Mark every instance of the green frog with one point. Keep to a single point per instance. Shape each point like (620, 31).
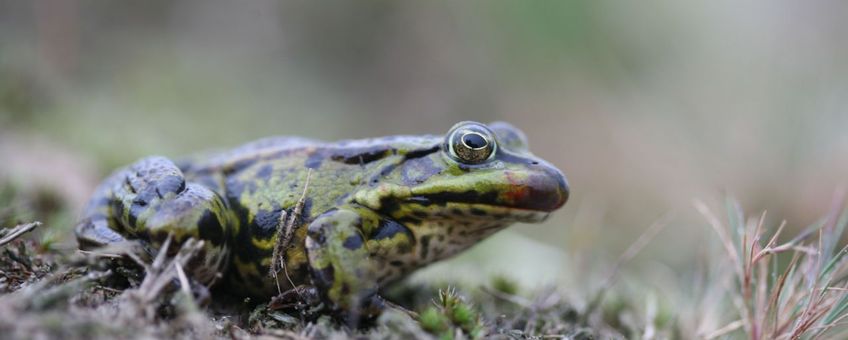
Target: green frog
(374, 209)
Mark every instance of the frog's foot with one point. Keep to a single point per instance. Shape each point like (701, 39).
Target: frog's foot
(299, 298)
(150, 200)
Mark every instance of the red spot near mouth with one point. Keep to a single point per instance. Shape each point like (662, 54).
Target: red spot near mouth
(517, 192)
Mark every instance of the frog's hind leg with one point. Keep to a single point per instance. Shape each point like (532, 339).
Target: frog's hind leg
(347, 250)
(150, 200)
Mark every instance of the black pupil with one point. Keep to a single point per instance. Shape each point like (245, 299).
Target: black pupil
(474, 141)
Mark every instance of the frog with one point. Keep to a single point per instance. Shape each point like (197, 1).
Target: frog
(363, 213)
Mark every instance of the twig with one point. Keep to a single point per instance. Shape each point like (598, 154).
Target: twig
(183, 279)
(18, 231)
(99, 254)
(285, 231)
(282, 225)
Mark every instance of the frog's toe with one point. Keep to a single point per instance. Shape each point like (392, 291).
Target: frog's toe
(155, 176)
(94, 232)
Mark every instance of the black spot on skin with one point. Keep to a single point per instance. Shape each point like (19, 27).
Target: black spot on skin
(478, 212)
(245, 251)
(266, 222)
(388, 205)
(425, 245)
(362, 156)
(396, 263)
(264, 172)
(209, 228)
(422, 152)
(353, 242)
(306, 213)
(420, 214)
(388, 229)
(441, 237)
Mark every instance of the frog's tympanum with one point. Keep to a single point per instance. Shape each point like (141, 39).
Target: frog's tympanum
(374, 211)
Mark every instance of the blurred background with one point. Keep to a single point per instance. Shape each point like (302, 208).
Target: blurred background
(644, 105)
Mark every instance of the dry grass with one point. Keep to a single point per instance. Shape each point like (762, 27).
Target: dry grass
(801, 295)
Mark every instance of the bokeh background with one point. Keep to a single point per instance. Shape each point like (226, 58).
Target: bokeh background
(644, 105)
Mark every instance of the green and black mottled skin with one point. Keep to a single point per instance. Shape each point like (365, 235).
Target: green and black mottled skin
(375, 209)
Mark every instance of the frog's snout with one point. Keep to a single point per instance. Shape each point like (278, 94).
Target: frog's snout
(545, 189)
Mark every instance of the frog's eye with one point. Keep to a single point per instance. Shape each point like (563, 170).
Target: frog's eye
(471, 143)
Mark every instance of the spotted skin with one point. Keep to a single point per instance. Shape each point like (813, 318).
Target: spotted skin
(375, 210)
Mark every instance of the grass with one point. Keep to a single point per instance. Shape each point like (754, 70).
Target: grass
(804, 298)
(754, 286)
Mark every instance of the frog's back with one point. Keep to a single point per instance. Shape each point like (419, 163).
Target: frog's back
(219, 161)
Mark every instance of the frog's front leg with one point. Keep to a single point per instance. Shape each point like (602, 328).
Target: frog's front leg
(344, 248)
(151, 199)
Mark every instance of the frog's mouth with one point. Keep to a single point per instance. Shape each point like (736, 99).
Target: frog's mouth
(434, 209)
